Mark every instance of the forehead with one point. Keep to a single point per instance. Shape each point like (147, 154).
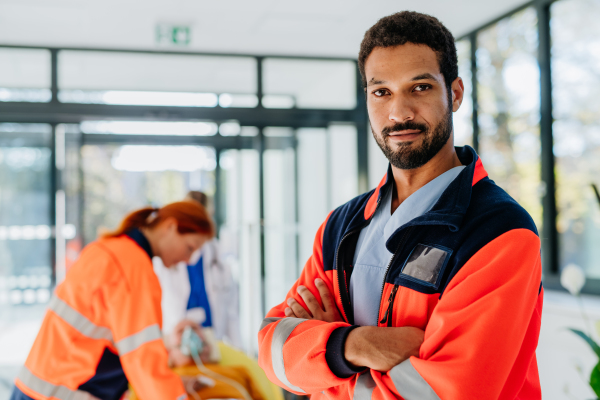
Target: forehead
(401, 61)
(194, 238)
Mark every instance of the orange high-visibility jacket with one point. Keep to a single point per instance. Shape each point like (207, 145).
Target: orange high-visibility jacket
(467, 272)
(108, 305)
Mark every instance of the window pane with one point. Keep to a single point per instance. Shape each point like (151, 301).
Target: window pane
(576, 130)
(176, 128)
(24, 68)
(343, 164)
(239, 235)
(25, 75)
(25, 240)
(280, 224)
(508, 77)
(463, 118)
(155, 79)
(313, 187)
(309, 84)
(327, 177)
(119, 179)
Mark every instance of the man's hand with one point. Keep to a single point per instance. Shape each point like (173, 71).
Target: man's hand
(378, 348)
(382, 348)
(329, 314)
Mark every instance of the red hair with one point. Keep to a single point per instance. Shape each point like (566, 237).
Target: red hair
(191, 217)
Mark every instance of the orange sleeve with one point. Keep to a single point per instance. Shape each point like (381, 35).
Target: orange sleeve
(481, 338)
(289, 347)
(135, 320)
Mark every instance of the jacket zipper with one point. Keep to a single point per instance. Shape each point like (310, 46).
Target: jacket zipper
(342, 277)
(387, 270)
(342, 273)
(388, 313)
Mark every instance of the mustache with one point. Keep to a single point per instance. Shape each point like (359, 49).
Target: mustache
(402, 126)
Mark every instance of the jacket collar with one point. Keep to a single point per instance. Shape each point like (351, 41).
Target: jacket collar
(138, 237)
(453, 203)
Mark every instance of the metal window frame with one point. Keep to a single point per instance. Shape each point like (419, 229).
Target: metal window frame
(549, 234)
(55, 112)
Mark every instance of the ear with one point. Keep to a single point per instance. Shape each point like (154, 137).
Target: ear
(170, 224)
(458, 91)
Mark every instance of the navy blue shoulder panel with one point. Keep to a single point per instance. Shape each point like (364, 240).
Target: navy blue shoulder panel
(341, 220)
(491, 213)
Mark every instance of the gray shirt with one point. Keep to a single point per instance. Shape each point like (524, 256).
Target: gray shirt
(371, 257)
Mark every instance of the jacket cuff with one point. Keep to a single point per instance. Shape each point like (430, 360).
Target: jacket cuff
(334, 353)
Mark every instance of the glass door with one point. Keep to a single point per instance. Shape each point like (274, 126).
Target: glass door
(26, 240)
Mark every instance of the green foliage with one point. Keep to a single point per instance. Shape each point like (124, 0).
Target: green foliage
(595, 379)
(595, 376)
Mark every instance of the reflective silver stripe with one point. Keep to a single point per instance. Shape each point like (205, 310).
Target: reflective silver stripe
(364, 387)
(410, 384)
(130, 343)
(268, 321)
(280, 336)
(47, 389)
(78, 321)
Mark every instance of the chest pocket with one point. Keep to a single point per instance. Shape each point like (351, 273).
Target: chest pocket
(424, 267)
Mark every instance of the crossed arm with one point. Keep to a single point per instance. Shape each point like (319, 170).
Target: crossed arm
(378, 348)
(491, 306)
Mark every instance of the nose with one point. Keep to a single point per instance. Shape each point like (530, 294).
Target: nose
(401, 109)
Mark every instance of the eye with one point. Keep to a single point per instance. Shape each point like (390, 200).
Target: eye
(422, 88)
(379, 92)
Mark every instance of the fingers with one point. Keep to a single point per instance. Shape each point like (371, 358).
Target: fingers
(297, 309)
(313, 309)
(325, 294)
(311, 302)
(289, 313)
(332, 313)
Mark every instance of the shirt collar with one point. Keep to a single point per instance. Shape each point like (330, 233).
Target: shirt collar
(452, 205)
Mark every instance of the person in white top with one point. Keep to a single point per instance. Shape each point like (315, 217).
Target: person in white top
(203, 294)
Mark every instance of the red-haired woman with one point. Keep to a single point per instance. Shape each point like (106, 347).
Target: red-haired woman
(102, 329)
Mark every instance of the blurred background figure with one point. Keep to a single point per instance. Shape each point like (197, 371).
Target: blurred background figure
(201, 291)
(203, 295)
(102, 330)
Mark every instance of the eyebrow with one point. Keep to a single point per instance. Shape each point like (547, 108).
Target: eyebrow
(374, 81)
(421, 77)
(424, 76)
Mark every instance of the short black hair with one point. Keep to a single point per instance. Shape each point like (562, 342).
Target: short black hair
(412, 27)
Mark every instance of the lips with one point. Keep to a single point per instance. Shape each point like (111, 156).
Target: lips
(407, 132)
(407, 135)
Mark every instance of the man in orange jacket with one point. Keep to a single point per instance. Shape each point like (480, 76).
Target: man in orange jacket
(435, 274)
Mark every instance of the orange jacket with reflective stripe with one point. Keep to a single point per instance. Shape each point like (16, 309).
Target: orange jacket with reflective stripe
(467, 272)
(110, 299)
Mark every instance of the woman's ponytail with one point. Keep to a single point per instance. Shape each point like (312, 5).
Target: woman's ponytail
(141, 218)
(191, 217)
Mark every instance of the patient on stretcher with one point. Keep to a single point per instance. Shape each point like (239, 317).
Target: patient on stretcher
(204, 378)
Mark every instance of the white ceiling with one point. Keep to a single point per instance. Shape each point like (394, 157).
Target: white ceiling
(282, 27)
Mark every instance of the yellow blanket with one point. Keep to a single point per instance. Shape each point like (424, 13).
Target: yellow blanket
(235, 365)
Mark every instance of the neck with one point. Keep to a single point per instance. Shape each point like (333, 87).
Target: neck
(408, 181)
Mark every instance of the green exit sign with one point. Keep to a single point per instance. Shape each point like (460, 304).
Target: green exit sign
(174, 35)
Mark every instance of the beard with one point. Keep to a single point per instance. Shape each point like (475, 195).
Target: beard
(402, 155)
